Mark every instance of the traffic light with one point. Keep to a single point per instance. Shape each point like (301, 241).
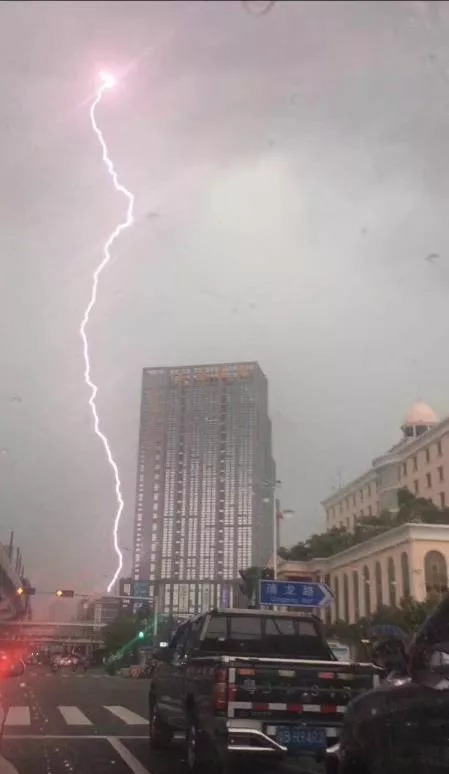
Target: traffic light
(25, 591)
(141, 635)
(65, 593)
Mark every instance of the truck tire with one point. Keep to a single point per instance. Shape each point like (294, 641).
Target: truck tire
(160, 734)
(196, 759)
(355, 767)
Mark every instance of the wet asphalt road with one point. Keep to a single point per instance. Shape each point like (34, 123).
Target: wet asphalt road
(86, 724)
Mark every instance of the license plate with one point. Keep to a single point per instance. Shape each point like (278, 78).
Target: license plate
(301, 737)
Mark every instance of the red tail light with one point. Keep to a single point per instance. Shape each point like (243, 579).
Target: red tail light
(221, 690)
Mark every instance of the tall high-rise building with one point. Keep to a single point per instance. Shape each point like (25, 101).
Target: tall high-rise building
(205, 479)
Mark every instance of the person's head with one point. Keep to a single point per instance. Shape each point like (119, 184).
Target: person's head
(390, 654)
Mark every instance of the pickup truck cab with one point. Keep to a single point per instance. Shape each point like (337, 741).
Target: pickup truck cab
(251, 682)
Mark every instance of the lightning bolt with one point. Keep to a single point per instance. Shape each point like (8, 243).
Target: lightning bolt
(107, 83)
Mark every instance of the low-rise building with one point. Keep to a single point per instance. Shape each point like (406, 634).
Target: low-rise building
(12, 602)
(409, 560)
(99, 610)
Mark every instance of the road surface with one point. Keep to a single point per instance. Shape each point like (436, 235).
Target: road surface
(89, 723)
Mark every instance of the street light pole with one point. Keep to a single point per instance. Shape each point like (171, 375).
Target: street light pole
(273, 486)
(275, 536)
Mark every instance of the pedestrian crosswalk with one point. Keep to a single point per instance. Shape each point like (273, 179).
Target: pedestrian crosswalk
(20, 716)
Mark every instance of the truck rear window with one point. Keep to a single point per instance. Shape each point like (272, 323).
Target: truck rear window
(267, 636)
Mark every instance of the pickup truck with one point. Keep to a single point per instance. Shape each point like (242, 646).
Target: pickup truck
(256, 683)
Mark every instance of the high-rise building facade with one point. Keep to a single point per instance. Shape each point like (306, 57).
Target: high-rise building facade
(204, 505)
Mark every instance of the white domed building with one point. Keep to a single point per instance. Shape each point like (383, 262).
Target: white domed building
(419, 420)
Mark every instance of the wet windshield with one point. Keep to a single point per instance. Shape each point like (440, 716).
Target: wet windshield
(224, 323)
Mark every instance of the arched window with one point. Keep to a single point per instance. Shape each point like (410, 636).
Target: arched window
(356, 592)
(327, 611)
(435, 571)
(391, 582)
(366, 591)
(405, 572)
(378, 574)
(337, 599)
(345, 598)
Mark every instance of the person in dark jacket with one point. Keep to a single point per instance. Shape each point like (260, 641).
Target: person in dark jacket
(390, 654)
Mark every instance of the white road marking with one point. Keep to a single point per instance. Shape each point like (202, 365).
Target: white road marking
(128, 717)
(130, 760)
(73, 716)
(6, 767)
(73, 736)
(18, 716)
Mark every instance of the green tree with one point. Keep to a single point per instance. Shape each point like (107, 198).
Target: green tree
(410, 509)
(119, 633)
(250, 585)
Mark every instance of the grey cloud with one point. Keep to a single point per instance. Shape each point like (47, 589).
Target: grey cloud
(291, 175)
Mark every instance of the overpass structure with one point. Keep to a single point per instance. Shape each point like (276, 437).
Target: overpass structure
(11, 574)
(47, 632)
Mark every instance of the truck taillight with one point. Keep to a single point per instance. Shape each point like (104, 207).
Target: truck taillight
(221, 690)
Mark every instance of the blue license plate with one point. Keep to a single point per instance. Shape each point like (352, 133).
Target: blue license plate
(301, 737)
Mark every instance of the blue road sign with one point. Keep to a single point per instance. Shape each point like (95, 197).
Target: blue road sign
(294, 594)
(141, 588)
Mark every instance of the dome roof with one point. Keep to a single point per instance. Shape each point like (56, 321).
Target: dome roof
(420, 414)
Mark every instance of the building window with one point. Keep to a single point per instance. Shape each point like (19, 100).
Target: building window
(337, 599)
(345, 598)
(378, 574)
(367, 590)
(405, 569)
(439, 449)
(427, 453)
(428, 480)
(441, 473)
(370, 510)
(391, 582)
(404, 468)
(416, 486)
(442, 499)
(435, 571)
(355, 589)
(353, 499)
(415, 463)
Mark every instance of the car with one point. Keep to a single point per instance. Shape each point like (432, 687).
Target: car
(402, 726)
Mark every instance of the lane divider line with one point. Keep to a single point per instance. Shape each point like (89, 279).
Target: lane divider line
(131, 761)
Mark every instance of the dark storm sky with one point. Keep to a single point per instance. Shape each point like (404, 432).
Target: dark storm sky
(291, 177)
